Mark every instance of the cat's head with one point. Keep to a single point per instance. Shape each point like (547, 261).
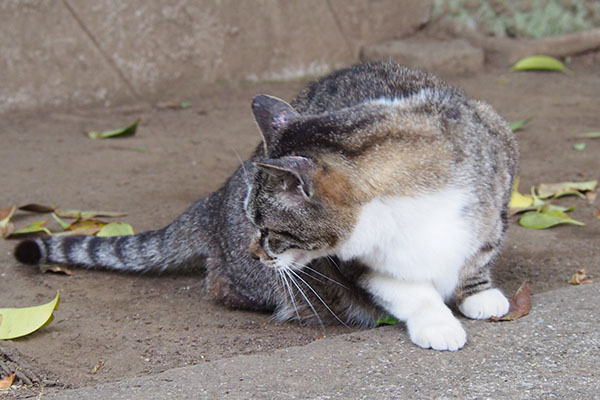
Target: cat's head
(297, 215)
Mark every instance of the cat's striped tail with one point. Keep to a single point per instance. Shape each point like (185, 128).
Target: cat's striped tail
(178, 245)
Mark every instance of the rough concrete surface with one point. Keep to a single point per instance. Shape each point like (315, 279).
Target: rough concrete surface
(553, 353)
(68, 52)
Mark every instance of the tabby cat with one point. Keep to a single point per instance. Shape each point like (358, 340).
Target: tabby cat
(378, 190)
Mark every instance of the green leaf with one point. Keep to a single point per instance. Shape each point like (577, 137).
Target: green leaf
(517, 125)
(559, 189)
(185, 104)
(32, 228)
(78, 214)
(546, 218)
(540, 63)
(64, 225)
(589, 135)
(387, 320)
(17, 322)
(579, 146)
(122, 132)
(116, 229)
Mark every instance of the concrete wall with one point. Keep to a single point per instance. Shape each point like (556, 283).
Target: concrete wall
(68, 52)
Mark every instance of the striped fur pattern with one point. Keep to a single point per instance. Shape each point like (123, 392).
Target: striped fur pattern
(397, 170)
(295, 229)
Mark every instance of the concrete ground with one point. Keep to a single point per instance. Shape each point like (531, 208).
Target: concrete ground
(553, 353)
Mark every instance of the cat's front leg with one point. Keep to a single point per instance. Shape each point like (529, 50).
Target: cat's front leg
(429, 321)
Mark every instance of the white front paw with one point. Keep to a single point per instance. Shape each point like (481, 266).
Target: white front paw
(485, 304)
(439, 331)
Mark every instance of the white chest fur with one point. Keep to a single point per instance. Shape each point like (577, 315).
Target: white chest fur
(414, 239)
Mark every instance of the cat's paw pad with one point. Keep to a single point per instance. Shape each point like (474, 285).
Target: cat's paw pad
(437, 332)
(485, 304)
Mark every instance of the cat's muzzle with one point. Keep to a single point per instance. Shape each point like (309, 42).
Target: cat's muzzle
(257, 252)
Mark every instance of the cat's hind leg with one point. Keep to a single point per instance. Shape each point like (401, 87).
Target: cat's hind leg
(429, 321)
(475, 296)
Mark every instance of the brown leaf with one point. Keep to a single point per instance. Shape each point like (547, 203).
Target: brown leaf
(579, 278)
(59, 269)
(7, 381)
(591, 196)
(7, 212)
(6, 227)
(520, 304)
(37, 208)
(86, 226)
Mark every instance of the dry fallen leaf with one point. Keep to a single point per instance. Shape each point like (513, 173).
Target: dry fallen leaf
(58, 269)
(86, 226)
(6, 227)
(37, 208)
(579, 278)
(591, 196)
(7, 381)
(520, 304)
(559, 189)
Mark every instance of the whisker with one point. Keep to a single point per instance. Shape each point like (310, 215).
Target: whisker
(336, 264)
(246, 176)
(310, 276)
(292, 297)
(326, 277)
(319, 297)
(304, 295)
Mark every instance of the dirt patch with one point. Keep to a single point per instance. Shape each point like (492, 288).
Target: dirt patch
(111, 326)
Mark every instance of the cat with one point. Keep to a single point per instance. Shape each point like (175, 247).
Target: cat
(379, 190)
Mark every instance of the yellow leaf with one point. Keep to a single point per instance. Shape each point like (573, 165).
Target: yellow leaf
(86, 226)
(540, 63)
(33, 228)
(116, 229)
(519, 200)
(579, 278)
(17, 322)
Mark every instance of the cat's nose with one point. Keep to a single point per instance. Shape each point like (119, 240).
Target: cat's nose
(256, 250)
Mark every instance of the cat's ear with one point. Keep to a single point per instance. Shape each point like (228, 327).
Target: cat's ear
(271, 115)
(294, 172)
